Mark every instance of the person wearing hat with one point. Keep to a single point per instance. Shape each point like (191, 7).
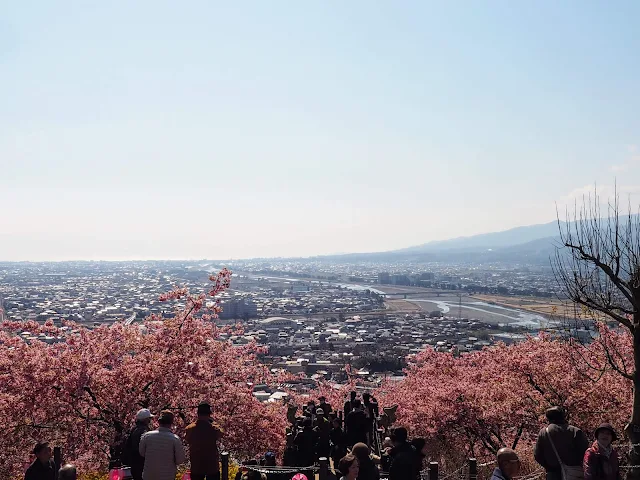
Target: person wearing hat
(162, 450)
(560, 444)
(202, 437)
(131, 454)
(323, 427)
(601, 461)
(42, 467)
(326, 408)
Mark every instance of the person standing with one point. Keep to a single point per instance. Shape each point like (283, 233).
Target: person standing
(357, 424)
(326, 408)
(162, 450)
(306, 441)
(131, 455)
(420, 447)
(323, 428)
(368, 470)
(559, 444)
(508, 465)
(402, 455)
(601, 460)
(202, 438)
(348, 405)
(42, 467)
(338, 442)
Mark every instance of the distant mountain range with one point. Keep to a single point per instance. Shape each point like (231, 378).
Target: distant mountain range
(506, 238)
(533, 244)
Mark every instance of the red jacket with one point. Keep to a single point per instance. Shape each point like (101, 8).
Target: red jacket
(597, 466)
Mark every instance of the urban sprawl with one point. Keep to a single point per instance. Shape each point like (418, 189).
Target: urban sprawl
(318, 319)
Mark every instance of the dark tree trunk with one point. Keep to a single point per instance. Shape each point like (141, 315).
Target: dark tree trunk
(633, 429)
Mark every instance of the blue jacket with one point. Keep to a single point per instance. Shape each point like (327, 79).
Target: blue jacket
(498, 475)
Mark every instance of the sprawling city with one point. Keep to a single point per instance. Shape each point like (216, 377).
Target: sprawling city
(317, 317)
(330, 240)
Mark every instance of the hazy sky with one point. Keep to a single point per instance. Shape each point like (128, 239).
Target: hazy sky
(149, 129)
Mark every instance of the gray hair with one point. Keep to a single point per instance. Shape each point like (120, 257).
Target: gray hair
(68, 472)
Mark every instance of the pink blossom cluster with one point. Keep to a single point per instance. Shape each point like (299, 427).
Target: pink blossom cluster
(82, 393)
(473, 405)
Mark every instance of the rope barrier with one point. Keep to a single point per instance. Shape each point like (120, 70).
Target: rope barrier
(459, 470)
(266, 469)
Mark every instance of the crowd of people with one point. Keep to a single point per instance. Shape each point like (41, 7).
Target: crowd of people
(347, 438)
(152, 454)
(352, 440)
(564, 451)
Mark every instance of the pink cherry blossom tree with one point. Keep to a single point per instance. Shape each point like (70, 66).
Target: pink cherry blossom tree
(82, 393)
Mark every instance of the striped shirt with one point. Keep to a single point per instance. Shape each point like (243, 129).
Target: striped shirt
(163, 452)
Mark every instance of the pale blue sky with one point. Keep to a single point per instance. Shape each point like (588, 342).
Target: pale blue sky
(147, 129)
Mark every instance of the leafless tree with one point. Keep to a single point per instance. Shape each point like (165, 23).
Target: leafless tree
(598, 266)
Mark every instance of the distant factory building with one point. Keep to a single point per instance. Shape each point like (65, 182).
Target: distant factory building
(238, 309)
(384, 278)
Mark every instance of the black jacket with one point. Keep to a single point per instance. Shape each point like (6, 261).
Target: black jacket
(131, 456)
(403, 462)
(306, 442)
(368, 469)
(40, 471)
(357, 427)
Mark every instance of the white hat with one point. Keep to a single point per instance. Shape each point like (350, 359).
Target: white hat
(144, 414)
(319, 411)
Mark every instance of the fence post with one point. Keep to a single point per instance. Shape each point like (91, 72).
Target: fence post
(324, 468)
(225, 466)
(473, 469)
(433, 471)
(57, 458)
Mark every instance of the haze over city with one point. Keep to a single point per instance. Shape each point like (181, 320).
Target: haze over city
(149, 130)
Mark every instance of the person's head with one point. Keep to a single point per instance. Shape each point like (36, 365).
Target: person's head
(42, 451)
(361, 451)
(322, 399)
(320, 412)
(387, 442)
(399, 435)
(68, 472)
(166, 418)
(556, 415)
(307, 423)
(605, 434)
(270, 459)
(349, 466)
(420, 444)
(356, 404)
(353, 396)
(204, 410)
(336, 423)
(508, 462)
(144, 416)
(366, 397)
